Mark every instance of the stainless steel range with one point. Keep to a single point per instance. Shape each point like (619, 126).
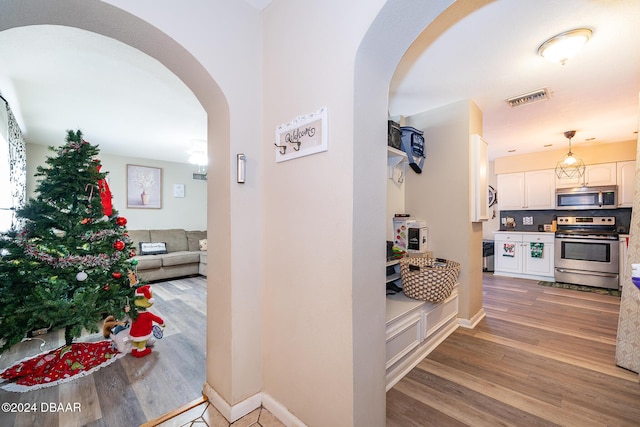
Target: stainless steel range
(587, 251)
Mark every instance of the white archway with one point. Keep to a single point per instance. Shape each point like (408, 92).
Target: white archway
(102, 18)
(392, 32)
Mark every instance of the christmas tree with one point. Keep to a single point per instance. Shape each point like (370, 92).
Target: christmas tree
(70, 264)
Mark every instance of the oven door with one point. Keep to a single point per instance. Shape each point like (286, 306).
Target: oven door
(589, 262)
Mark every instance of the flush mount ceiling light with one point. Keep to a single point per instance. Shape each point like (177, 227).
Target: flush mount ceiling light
(570, 166)
(563, 46)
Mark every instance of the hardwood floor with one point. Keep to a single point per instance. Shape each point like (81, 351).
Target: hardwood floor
(541, 357)
(130, 391)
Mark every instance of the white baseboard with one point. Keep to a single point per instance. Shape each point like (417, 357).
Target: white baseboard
(471, 323)
(280, 412)
(235, 412)
(239, 410)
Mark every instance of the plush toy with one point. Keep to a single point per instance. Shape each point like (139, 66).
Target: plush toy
(109, 324)
(142, 327)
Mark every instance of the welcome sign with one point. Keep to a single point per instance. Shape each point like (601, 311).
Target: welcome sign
(301, 137)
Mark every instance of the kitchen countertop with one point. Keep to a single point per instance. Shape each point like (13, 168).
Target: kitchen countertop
(524, 232)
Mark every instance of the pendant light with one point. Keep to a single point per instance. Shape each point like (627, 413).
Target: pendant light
(570, 166)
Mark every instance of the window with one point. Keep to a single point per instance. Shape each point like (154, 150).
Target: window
(5, 186)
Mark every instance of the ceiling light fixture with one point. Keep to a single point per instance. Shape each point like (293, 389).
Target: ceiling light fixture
(563, 46)
(570, 166)
(198, 154)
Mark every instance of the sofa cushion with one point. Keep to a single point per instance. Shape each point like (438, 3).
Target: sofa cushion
(138, 236)
(153, 248)
(176, 239)
(180, 257)
(148, 262)
(193, 237)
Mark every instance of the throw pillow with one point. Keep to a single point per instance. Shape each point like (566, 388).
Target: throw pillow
(153, 248)
(202, 243)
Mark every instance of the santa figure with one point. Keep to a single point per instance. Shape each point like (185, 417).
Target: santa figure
(142, 327)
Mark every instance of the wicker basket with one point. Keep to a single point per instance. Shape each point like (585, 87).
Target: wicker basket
(428, 279)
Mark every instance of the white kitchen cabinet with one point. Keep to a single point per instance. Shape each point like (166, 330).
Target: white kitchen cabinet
(479, 203)
(533, 190)
(626, 179)
(594, 175)
(538, 263)
(511, 191)
(602, 174)
(518, 255)
(508, 253)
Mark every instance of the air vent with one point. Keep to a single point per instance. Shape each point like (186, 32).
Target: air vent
(529, 98)
(200, 176)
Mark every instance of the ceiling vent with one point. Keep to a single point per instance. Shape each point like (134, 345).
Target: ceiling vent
(529, 98)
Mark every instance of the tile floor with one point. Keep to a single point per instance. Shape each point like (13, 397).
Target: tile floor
(206, 415)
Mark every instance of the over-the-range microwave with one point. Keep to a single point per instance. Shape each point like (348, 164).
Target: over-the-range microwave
(604, 197)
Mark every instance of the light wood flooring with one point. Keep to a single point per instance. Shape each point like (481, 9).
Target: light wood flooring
(541, 357)
(130, 391)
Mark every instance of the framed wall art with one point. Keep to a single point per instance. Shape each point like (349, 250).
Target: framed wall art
(144, 187)
(301, 137)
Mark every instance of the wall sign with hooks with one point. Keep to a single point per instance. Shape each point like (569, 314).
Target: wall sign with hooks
(301, 137)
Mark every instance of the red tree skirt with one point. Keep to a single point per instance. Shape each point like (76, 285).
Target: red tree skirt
(57, 366)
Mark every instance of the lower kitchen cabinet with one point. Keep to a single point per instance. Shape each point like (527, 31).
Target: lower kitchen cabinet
(414, 329)
(526, 255)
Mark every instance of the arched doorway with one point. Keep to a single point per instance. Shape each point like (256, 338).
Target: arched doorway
(391, 33)
(137, 33)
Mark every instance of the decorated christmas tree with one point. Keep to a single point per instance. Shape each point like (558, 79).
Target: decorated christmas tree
(69, 265)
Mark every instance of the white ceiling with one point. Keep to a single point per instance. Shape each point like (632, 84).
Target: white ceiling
(491, 55)
(59, 78)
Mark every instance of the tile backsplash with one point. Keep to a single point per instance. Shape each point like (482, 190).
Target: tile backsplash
(623, 218)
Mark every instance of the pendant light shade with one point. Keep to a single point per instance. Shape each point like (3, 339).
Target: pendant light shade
(570, 166)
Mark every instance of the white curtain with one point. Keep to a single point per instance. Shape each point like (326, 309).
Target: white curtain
(17, 168)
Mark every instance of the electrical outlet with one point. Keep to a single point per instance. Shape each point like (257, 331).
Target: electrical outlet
(503, 220)
(527, 220)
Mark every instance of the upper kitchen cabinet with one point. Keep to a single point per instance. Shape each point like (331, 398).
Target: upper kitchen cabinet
(479, 203)
(533, 190)
(594, 175)
(626, 179)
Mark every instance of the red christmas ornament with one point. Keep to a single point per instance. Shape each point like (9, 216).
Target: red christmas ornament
(116, 275)
(85, 221)
(106, 287)
(132, 253)
(121, 221)
(119, 245)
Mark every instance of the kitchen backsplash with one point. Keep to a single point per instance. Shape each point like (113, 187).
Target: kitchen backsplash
(623, 217)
